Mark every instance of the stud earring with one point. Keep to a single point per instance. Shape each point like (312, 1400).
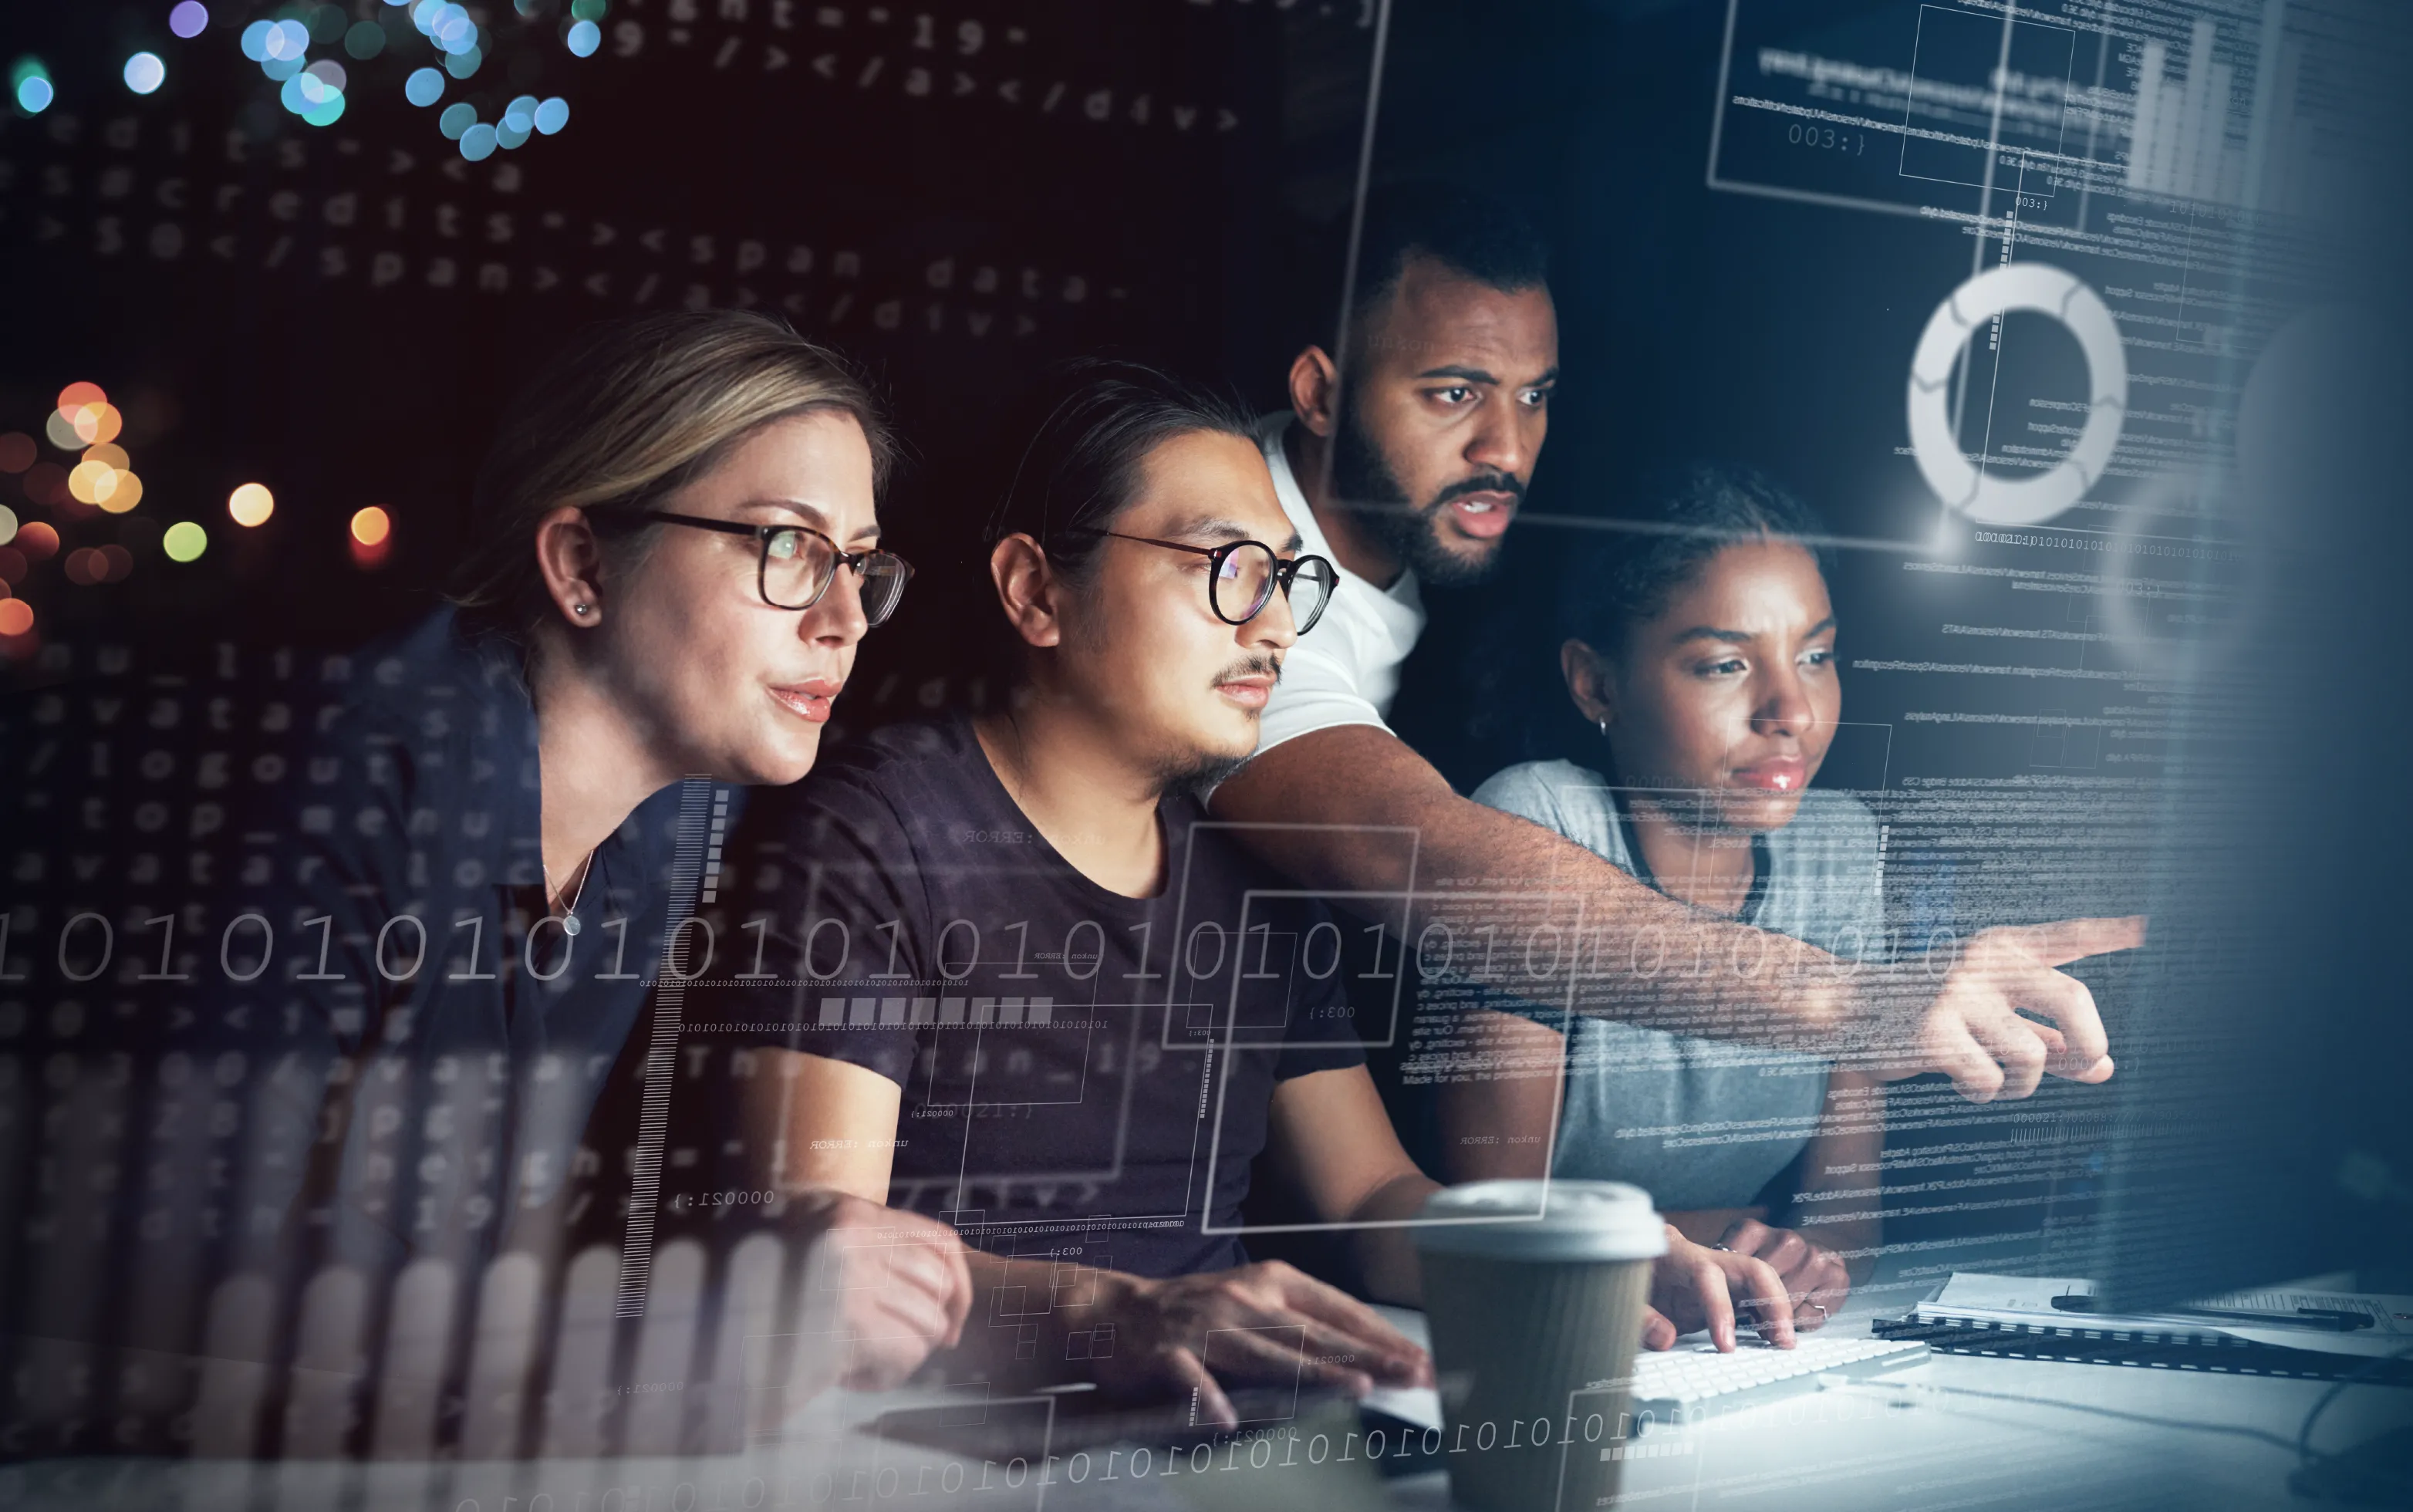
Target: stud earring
(580, 609)
(1604, 723)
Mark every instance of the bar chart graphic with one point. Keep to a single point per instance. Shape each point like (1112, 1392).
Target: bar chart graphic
(2190, 139)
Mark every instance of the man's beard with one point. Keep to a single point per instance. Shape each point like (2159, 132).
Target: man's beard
(1368, 488)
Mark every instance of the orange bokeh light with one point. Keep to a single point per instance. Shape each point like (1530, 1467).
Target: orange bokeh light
(15, 617)
(372, 526)
(251, 504)
(96, 423)
(39, 541)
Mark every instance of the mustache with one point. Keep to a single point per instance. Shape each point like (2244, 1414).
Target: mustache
(1249, 667)
(1482, 483)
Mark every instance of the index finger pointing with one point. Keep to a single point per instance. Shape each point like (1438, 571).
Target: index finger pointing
(2073, 940)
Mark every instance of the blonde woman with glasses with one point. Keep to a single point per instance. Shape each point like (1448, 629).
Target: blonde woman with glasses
(677, 553)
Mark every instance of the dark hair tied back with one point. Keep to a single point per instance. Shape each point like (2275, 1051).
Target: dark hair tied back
(1624, 575)
(1091, 425)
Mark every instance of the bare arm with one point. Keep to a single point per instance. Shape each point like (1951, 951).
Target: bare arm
(1837, 1205)
(1329, 790)
(832, 1127)
(1331, 1129)
(1502, 1121)
(898, 1281)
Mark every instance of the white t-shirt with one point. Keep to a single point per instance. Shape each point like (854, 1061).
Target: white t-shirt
(1346, 669)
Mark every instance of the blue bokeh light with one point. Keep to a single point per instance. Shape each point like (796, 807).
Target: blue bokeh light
(457, 118)
(553, 115)
(190, 19)
(424, 87)
(35, 94)
(478, 142)
(462, 65)
(255, 41)
(585, 37)
(144, 72)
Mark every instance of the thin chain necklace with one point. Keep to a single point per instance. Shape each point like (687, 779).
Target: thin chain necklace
(570, 917)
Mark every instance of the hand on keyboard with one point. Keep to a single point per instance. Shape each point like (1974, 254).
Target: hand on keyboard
(1815, 1278)
(1693, 1286)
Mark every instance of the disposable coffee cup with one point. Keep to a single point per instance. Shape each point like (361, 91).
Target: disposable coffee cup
(1535, 1293)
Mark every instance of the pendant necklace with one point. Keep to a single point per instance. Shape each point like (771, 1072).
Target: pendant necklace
(570, 917)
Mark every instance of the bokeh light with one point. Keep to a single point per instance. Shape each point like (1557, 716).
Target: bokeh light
(190, 19)
(13, 565)
(458, 117)
(76, 395)
(184, 541)
(29, 86)
(251, 504)
(88, 566)
(38, 540)
(585, 37)
(16, 453)
(372, 526)
(92, 482)
(144, 72)
(365, 41)
(7, 531)
(45, 484)
(553, 115)
(58, 428)
(424, 87)
(16, 618)
(95, 423)
(126, 492)
(478, 142)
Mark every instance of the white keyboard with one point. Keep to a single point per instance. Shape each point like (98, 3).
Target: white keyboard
(1673, 1385)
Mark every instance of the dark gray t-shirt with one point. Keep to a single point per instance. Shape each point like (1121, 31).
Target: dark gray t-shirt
(1084, 1075)
(1699, 1122)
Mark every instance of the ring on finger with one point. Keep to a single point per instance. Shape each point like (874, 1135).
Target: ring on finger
(1823, 1314)
(1723, 1248)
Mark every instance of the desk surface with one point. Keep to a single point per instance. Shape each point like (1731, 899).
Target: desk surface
(1959, 1432)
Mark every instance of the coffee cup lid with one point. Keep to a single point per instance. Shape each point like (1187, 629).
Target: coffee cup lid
(1536, 1220)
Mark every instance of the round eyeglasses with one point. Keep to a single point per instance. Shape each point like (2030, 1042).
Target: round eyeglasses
(1242, 575)
(799, 563)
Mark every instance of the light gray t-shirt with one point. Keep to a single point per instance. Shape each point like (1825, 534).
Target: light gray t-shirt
(1697, 1122)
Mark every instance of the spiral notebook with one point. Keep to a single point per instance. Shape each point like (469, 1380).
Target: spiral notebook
(2283, 1331)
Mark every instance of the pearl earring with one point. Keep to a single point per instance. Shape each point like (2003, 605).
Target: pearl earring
(1603, 726)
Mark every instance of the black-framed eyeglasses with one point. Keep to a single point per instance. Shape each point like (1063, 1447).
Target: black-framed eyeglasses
(1242, 575)
(799, 563)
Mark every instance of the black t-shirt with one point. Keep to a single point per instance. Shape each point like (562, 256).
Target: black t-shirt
(1085, 1075)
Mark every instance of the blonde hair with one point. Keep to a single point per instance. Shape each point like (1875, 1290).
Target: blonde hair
(632, 412)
